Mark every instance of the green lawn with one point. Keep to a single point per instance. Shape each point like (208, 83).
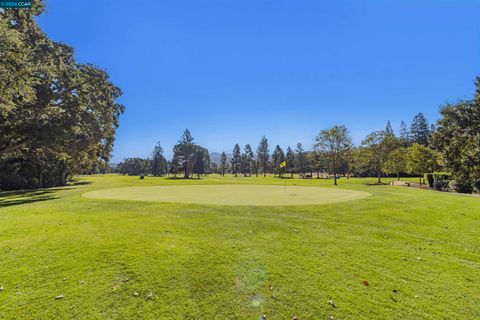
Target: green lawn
(419, 251)
(231, 194)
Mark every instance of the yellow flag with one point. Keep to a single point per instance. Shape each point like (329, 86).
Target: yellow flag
(283, 164)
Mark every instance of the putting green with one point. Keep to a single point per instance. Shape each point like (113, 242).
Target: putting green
(229, 194)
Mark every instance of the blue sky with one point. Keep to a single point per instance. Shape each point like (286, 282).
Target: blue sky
(232, 71)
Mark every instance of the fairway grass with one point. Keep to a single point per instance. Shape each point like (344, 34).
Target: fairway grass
(233, 194)
(417, 250)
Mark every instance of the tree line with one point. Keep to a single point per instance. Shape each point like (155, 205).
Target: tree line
(57, 117)
(448, 151)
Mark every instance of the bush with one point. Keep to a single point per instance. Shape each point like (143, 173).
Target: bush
(477, 185)
(438, 180)
(441, 185)
(462, 184)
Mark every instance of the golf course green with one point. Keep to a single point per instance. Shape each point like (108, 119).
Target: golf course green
(231, 194)
(400, 253)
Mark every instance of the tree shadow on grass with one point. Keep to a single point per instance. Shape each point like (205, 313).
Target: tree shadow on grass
(180, 178)
(79, 183)
(12, 198)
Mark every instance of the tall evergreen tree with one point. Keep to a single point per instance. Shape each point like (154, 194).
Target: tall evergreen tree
(248, 159)
(263, 155)
(199, 162)
(184, 152)
(158, 161)
(301, 161)
(223, 163)
(277, 157)
(290, 159)
(236, 158)
(389, 129)
(420, 130)
(404, 133)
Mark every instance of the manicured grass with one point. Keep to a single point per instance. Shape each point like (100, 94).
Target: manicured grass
(419, 251)
(234, 194)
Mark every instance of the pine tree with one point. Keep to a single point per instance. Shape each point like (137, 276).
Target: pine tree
(263, 155)
(290, 159)
(420, 130)
(277, 157)
(186, 137)
(158, 161)
(184, 151)
(389, 129)
(248, 159)
(236, 159)
(404, 133)
(223, 163)
(301, 161)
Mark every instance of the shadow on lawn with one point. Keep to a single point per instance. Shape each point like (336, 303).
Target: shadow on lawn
(79, 183)
(12, 198)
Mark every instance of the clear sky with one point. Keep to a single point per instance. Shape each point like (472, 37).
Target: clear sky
(234, 70)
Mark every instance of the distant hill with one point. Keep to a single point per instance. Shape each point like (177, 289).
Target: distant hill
(216, 156)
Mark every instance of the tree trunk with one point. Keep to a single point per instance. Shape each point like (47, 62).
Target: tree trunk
(186, 175)
(379, 177)
(63, 178)
(398, 175)
(334, 178)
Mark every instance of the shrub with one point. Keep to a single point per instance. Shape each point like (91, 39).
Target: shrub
(462, 184)
(441, 185)
(477, 185)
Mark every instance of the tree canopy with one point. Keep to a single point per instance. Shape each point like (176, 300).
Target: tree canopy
(57, 117)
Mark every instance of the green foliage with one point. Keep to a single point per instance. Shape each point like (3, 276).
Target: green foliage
(374, 155)
(301, 161)
(223, 163)
(457, 138)
(236, 159)
(290, 159)
(404, 134)
(420, 130)
(441, 184)
(396, 161)
(317, 161)
(247, 162)
(420, 159)
(477, 185)
(334, 143)
(56, 114)
(187, 155)
(135, 166)
(277, 157)
(263, 154)
(159, 163)
(462, 184)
